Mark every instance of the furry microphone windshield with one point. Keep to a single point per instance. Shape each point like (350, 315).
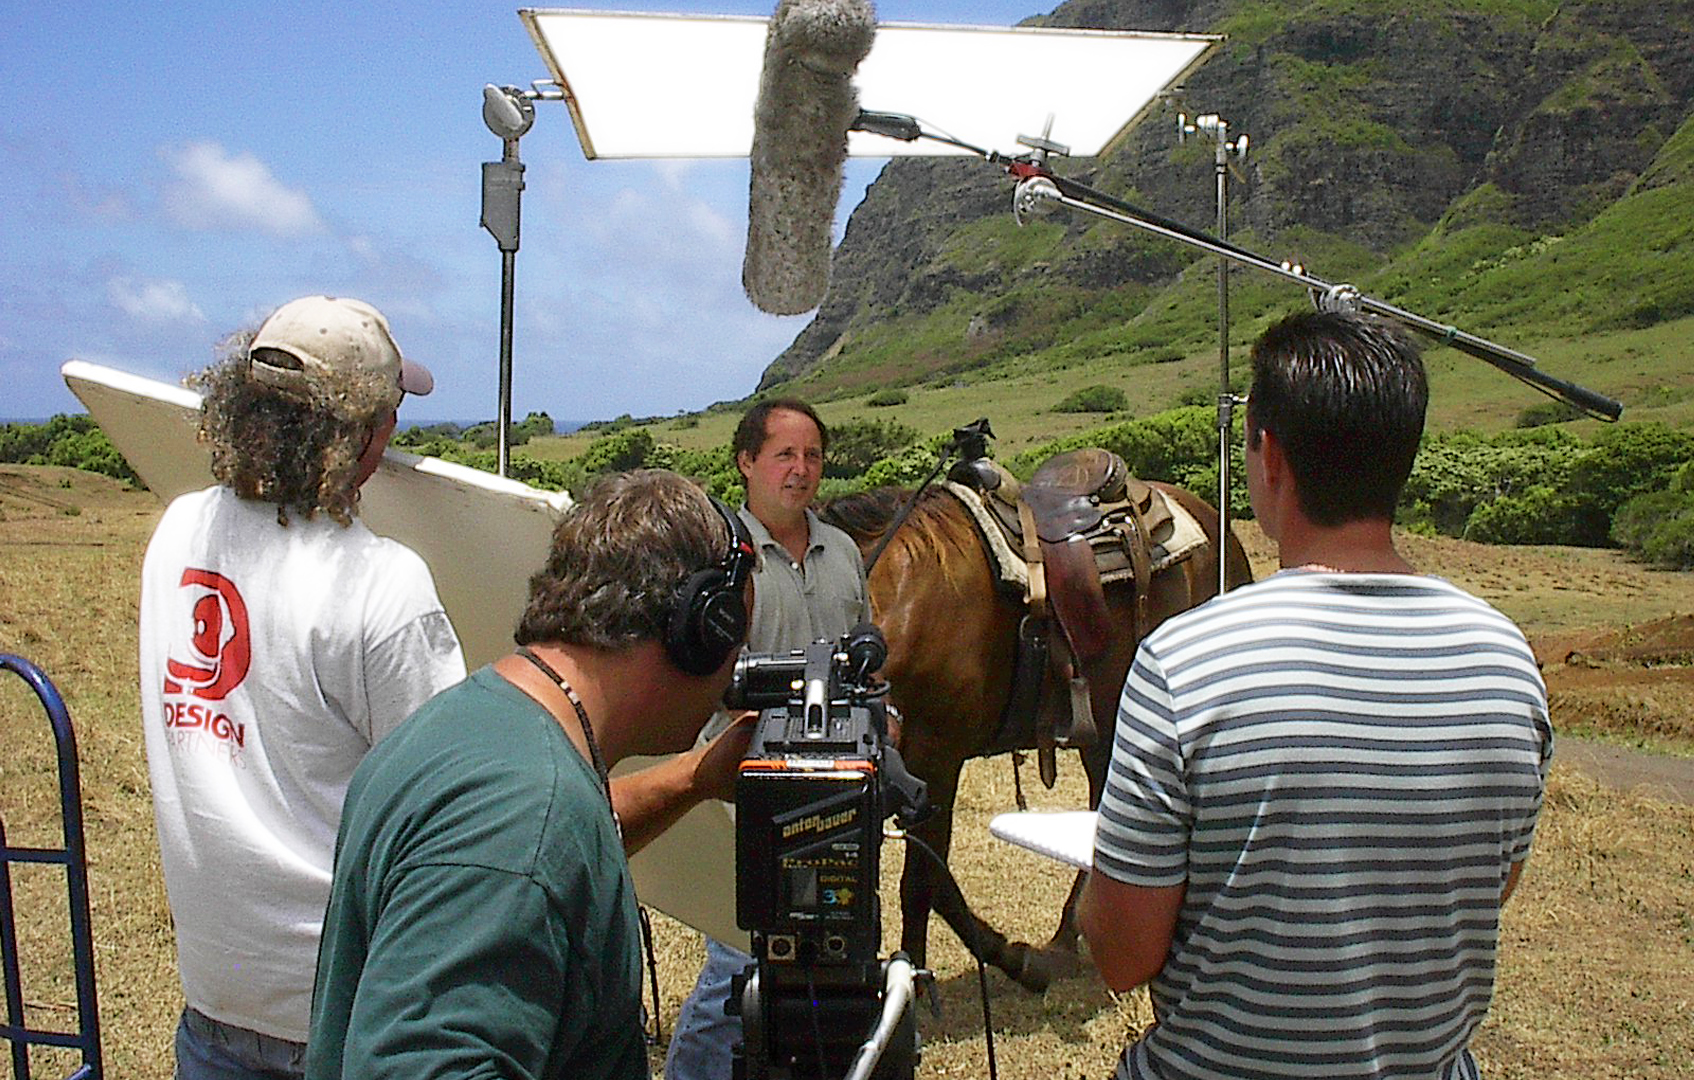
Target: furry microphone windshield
(806, 104)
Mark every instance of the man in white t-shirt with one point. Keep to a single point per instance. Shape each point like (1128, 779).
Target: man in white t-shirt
(280, 640)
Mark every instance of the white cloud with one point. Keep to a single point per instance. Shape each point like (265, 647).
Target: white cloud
(362, 248)
(673, 172)
(154, 301)
(217, 190)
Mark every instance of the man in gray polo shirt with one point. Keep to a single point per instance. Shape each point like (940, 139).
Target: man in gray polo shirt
(810, 585)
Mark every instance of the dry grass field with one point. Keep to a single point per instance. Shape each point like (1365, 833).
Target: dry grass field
(1597, 963)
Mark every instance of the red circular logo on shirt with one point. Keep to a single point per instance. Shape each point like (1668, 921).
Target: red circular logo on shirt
(219, 645)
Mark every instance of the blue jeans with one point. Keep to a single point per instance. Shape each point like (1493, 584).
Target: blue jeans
(208, 1049)
(700, 1046)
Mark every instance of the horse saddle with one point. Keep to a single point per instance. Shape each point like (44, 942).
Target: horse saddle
(1080, 524)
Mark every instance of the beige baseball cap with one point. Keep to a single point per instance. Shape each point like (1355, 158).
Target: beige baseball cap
(329, 335)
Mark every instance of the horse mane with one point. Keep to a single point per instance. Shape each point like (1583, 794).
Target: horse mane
(865, 515)
(937, 523)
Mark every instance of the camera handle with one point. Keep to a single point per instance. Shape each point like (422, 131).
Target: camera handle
(898, 977)
(905, 797)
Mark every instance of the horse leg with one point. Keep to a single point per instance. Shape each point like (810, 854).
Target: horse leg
(923, 886)
(1095, 759)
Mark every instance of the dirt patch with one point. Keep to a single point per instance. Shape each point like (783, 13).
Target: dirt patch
(1634, 686)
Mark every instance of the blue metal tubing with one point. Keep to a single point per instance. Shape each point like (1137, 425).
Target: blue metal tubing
(74, 858)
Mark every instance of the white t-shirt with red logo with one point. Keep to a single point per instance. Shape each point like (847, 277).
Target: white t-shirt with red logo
(272, 659)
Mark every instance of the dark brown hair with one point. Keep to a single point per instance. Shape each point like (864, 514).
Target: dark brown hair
(618, 559)
(1345, 396)
(751, 433)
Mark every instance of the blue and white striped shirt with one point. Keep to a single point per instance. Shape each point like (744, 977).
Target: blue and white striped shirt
(1342, 768)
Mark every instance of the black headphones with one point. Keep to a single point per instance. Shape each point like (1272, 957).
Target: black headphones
(709, 618)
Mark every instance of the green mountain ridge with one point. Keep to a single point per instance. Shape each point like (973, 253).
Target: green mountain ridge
(1520, 169)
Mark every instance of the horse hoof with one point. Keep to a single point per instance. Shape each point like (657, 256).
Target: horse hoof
(1037, 969)
(1043, 967)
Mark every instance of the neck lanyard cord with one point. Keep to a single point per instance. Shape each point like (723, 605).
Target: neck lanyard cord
(587, 729)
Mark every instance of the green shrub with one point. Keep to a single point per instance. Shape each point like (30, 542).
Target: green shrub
(20, 442)
(93, 451)
(856, 445)
(1625, 461)
(1094, 399)
(486, 436)
(420, 435)
(1658, 527)
(908, 467)
(1175, 445)
(627, 448)
(73, 441)
(616, 424)
(713, 468)
(1456, 473)
(547, 475)
(884, 398)
(1540, 515)
(1548, 412)
(536, 423)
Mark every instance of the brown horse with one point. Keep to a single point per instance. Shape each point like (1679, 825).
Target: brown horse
(951, 642)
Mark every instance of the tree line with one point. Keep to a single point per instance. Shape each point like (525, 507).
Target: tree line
(1630, 486)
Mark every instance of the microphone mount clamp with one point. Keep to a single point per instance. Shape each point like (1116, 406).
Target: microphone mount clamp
(1042, 146)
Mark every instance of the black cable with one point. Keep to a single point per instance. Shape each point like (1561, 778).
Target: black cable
(658, 1034)
(973, 944)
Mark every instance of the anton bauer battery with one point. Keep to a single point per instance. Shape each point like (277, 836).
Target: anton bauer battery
(818, 780)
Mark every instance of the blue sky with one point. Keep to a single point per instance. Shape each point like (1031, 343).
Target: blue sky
(173, 171)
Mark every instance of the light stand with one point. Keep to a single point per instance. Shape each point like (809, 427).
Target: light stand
(1217, 127)
(508, 112)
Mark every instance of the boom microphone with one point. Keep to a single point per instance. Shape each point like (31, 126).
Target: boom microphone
(806, 104)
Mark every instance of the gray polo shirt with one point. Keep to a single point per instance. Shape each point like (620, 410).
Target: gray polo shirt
(797, 603)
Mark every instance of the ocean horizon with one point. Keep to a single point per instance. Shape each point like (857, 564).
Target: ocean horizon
(561, 427)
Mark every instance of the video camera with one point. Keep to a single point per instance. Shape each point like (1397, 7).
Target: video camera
(819, 778)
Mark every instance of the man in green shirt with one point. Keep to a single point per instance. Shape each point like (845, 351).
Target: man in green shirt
(482, 920)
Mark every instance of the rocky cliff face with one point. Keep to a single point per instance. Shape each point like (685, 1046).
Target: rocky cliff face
(1369, 120)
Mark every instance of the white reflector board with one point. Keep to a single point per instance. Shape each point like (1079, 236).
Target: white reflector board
(482, 536)
(643, 85)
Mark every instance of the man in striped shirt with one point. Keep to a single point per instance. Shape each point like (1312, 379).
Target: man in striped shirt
(1324, 785)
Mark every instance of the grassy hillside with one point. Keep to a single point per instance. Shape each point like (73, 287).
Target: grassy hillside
(1654, 367)
(1519, 168)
